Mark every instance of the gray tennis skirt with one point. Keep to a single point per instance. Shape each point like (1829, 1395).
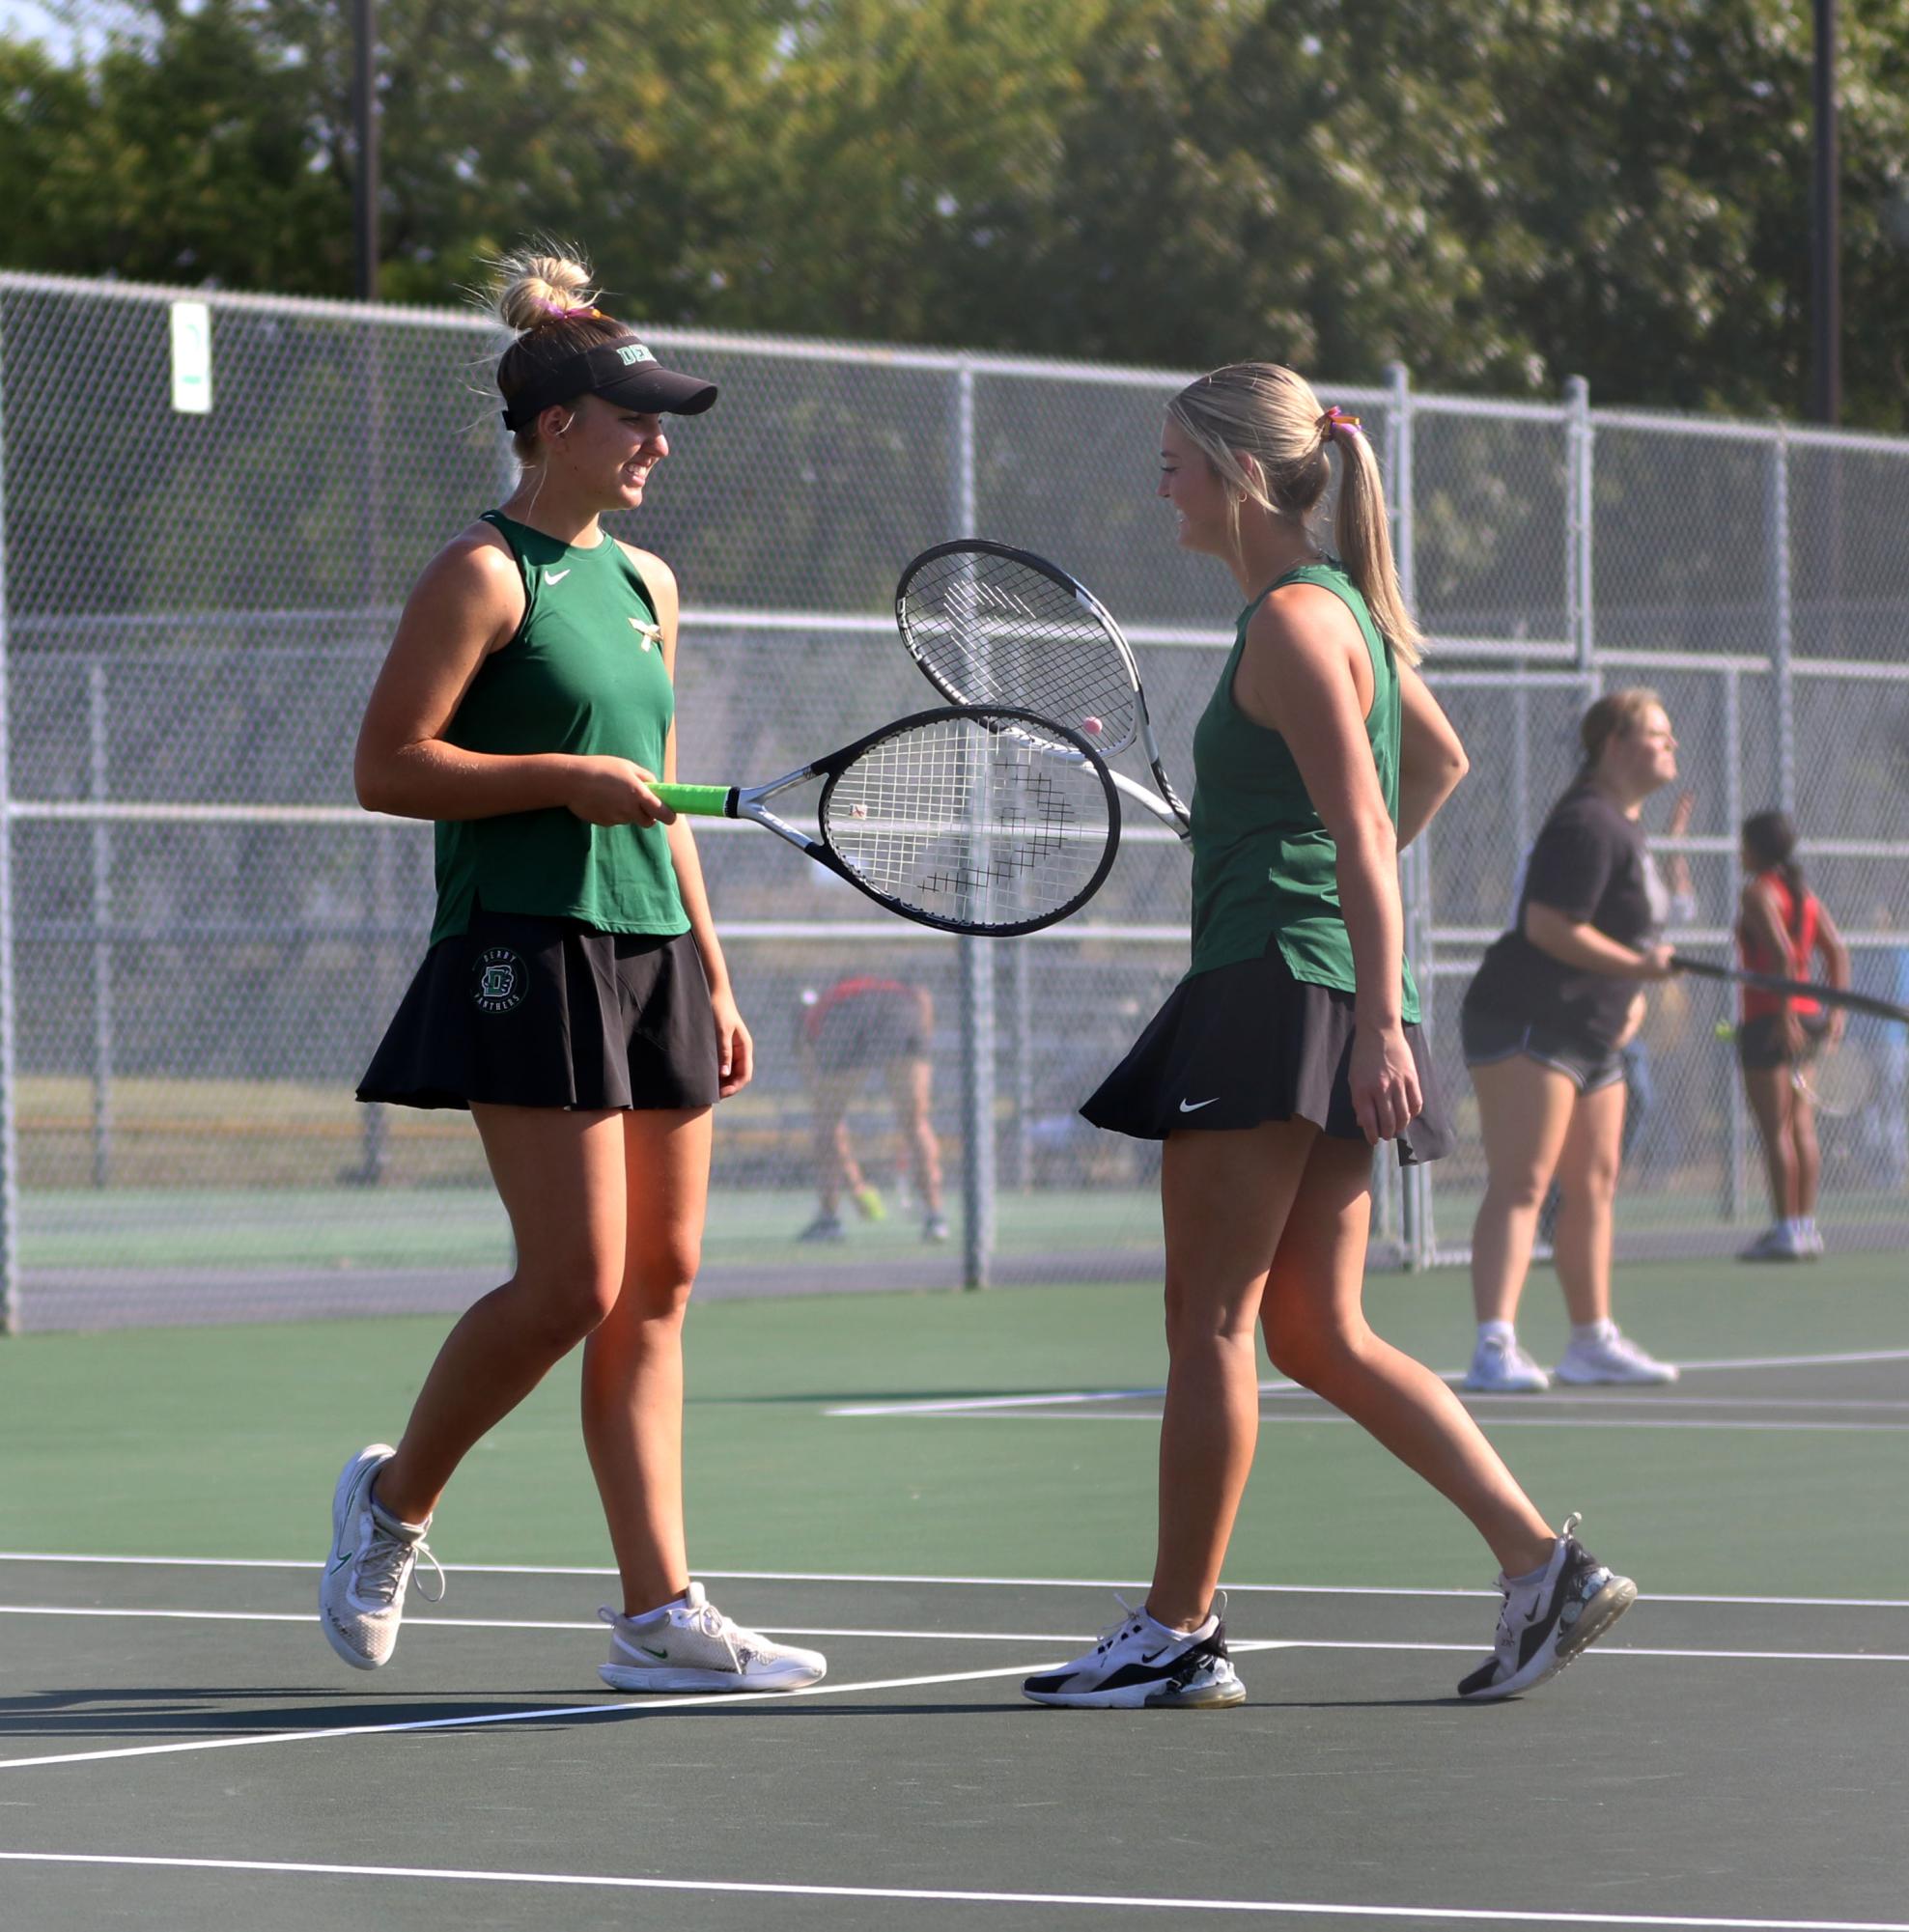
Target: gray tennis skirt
(526, 1010)
(1248, 1042)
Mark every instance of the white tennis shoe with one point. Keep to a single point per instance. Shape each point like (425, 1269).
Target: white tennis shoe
(1549, 1621)
(1612, 1358)
(361, 1593)
(1140, 1664)
(1784, 1242)
(691, 1645)
(1501, 1367)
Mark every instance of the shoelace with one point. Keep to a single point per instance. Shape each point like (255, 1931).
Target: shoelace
(712, 1622)
(385, 1562)
(1129, 1619)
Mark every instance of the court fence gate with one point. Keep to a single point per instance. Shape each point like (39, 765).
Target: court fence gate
(211, 507)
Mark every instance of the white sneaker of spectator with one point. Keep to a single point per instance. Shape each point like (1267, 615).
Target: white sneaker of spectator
(1605, 1354)
(1501, 1367)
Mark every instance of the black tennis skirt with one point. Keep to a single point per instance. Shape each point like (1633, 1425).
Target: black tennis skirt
(1248, 1042)
(526, 1010)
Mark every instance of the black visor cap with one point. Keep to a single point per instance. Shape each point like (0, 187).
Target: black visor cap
(624, 372)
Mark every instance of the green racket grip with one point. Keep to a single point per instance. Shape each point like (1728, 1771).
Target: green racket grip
(699, 802)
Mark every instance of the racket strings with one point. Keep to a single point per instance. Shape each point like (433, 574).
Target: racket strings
(970, 823)
(1838, 1080)
(989, 631)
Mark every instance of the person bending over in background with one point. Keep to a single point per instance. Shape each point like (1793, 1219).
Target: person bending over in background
(859, 1023)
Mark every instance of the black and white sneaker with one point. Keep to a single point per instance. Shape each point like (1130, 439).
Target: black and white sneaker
(1548, 1622)
(1140, 1664)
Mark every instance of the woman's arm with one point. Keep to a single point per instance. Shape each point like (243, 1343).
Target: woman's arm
(1578, 943)
(1836, 955)
(1683, 890)
(736, 1047)
(1431, 760)
(1296, 678)
(467, 603)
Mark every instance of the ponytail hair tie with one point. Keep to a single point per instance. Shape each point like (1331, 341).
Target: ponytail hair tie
(551, 313)
(1334, 420)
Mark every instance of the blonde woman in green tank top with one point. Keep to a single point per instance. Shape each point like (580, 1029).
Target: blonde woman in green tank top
(1291, 1051)
(575, 996)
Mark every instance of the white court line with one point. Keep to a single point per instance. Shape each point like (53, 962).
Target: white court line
(963, 1583)
(938, 1895)
(624, 1708)
(981, 1404)
(1237, 1644)
(1643, 1418)
(593, 1627)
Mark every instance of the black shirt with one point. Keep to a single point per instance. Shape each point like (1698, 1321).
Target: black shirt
(1590, 865)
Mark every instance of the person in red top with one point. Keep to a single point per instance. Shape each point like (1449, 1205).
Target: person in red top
(861, 1023)
(1782, 925)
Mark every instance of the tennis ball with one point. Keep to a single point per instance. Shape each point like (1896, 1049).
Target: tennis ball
(1725, 1030)
(1091, 726)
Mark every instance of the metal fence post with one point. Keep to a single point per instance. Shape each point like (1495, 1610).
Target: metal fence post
(1578, 524)
(977, 961)
(1782, 622)
(1415, 1185)
(102, 920)
(9, 1223)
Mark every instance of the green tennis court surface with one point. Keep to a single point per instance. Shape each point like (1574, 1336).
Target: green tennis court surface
(937, 1490)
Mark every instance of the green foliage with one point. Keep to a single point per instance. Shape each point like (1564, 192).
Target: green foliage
(1497, 193)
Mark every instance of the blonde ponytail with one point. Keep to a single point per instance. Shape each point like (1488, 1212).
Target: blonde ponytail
(1366, 543)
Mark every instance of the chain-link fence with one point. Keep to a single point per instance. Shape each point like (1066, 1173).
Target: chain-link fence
(201, 936)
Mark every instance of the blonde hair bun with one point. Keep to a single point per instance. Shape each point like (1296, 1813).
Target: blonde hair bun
(540, 283)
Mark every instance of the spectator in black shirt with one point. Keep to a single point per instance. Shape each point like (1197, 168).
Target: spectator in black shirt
(1545, 1021)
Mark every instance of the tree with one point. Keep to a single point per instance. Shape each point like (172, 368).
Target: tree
(1500, 192)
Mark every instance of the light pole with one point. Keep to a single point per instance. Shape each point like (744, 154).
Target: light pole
(364, 110)
(1825, 243)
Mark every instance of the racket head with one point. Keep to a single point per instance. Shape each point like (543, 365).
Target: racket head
(992, 624)
(1838, 1078)
(985, 820)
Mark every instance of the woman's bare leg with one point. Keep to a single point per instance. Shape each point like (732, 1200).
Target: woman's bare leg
(1225, 1198)
(633, 1363)
(1808, 1155)
(909, 1084)
(560, 1176)
(1588, 1169)
(1316, 1333)
(835, 1164)
(1772, 1095)
(1524, 1110)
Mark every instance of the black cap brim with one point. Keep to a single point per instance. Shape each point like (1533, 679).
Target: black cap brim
(658, 391)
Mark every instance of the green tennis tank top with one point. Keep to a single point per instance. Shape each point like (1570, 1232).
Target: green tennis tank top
(584, 675)
(1265, 867)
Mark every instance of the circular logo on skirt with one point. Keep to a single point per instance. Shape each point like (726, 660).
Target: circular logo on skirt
(501, 981)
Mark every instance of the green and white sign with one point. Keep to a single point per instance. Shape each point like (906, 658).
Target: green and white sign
(192, 357)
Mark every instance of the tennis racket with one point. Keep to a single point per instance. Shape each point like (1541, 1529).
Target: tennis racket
(989, 624)
(981, 819)
(1766, 982)
(1838, 1080)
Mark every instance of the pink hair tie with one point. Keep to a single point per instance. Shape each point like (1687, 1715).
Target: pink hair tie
(1334, 420)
